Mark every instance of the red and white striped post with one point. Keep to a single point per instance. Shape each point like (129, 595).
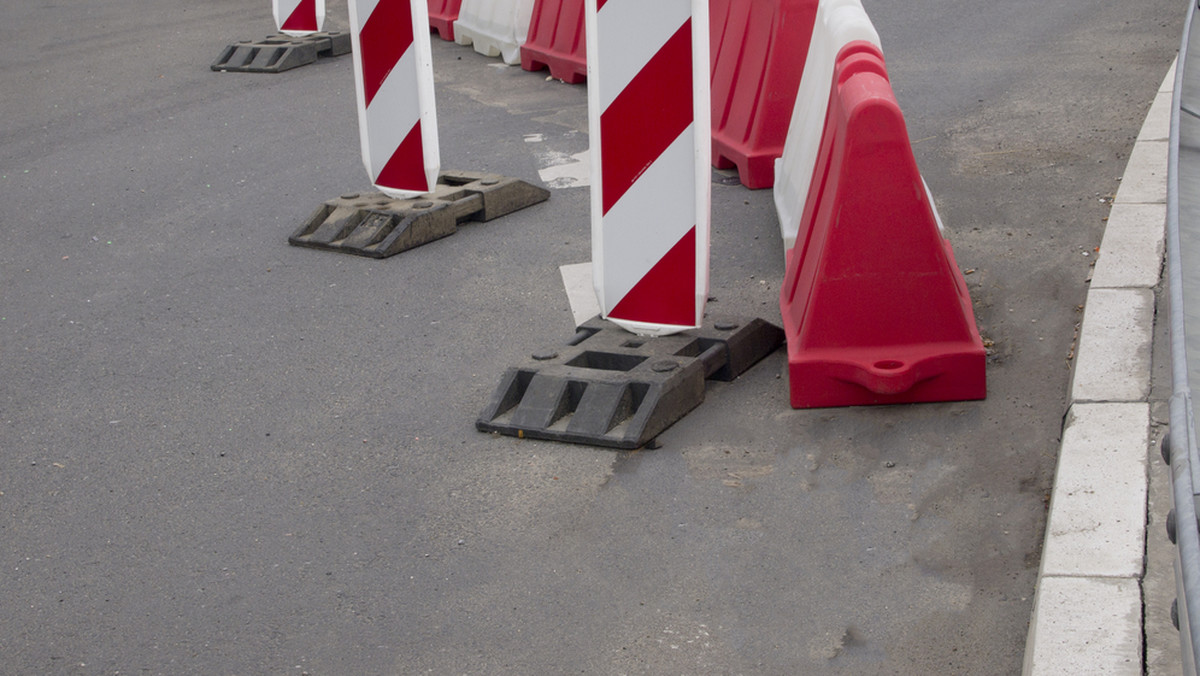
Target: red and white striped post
(393, 73)
(299, 17)
(649, 118)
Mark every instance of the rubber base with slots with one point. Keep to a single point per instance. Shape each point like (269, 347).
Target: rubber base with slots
(281, 52)
(379, 226)
(610, 388)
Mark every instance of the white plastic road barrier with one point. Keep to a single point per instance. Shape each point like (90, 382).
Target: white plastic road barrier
(839, 22)
(649, 120)
(299, 17)
(494, 27)
(393, 75)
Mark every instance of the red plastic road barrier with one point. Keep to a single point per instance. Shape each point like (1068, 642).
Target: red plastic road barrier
(442, 15)
(557, 40)
(298, 17)
(758, 53)
(874, 306)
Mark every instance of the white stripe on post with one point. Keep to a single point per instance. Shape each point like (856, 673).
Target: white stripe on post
(298, 17)
(649, 119)
(393, 75)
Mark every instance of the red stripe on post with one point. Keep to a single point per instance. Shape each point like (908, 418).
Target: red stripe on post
(647, 116)
(385, 37)
(666, 295)
(303, 18)
(405, 169)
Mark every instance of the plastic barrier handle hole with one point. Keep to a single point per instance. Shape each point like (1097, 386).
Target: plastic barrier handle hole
(889, 365)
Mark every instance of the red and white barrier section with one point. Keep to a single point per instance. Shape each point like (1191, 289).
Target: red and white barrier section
(298, 17)
(649, 119)
(393, 70)
(758, 52)
(838, 23)
(442, 15)
(874, 306)
(556, 40)
(494, 27)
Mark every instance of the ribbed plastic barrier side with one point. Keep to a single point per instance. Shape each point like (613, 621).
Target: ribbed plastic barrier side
(758, 52)
(838, 23)
(494, 27)
(442, 15)
(557, 40)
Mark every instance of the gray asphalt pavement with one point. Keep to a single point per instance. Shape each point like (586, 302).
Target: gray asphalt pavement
(222, 454)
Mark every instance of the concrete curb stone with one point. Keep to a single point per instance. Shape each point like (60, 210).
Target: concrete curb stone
(1088, 610)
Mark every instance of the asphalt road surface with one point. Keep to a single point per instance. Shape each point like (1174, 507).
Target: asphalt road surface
(220, 454)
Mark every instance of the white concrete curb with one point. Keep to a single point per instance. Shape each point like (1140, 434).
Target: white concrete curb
(1087, 611)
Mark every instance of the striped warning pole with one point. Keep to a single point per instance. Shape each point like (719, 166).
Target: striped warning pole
(649, 117)
(299, 17)
(393, 73)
